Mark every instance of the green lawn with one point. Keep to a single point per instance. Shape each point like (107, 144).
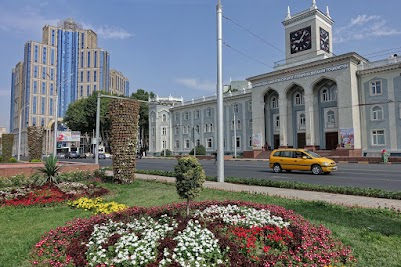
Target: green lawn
(375, 235)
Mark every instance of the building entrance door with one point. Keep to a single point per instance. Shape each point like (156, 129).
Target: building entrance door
(301, 140)
(276, 141)
(331, 140)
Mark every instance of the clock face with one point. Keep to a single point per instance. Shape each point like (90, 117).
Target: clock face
(324, 40)
(301, 40)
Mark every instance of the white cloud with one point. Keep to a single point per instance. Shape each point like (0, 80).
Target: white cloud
(109, 32)
(364, 26)
(196, 84)
(30, 20)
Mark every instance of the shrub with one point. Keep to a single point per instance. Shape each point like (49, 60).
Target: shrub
(190, 177)
(50, 170)
(167, 153)
(12, 160)
(200, 150)
(36, 160)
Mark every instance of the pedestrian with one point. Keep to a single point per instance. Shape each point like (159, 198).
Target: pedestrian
(215, 157)
(385, 156)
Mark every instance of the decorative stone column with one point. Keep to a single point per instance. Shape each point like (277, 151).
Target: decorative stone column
(124, 126)
(35, 142)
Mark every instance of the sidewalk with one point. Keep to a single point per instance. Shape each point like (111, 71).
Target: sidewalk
(346, 200)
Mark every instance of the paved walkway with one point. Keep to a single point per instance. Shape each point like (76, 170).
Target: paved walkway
(366, 202)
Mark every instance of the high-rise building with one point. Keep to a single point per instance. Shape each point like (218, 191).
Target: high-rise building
(67, 65)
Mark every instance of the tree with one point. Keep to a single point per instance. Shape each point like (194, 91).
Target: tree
(200, 150)
(81, 116)
(143, 95)
(190, 177)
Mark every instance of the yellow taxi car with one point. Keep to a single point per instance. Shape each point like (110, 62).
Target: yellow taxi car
(294, 159)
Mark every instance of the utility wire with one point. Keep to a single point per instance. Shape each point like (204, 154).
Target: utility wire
(260, 38)
(239, 52)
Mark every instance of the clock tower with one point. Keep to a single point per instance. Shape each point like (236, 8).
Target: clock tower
(308, 35)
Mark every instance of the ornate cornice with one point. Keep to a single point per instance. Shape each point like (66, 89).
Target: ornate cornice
(305, 15)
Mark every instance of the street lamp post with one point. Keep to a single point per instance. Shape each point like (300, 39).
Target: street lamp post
(235, 135)
(55, 125)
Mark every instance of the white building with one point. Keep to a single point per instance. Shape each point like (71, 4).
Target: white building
(312, 99)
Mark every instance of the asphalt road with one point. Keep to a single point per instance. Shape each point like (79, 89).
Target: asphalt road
(379, 176)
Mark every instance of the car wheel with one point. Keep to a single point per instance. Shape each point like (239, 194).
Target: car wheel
(316, 169)
(277, 168)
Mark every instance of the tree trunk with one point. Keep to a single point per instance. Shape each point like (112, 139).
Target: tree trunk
(187, 207)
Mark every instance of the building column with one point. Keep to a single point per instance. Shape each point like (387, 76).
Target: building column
(310, 119)
(283, 112)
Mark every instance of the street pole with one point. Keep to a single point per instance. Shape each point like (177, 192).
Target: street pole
(235, 135)
(97, 129)
(220, 124)
(193, 129)
(19, 136)
(55, 125)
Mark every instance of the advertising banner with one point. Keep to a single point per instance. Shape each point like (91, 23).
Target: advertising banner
(347, 138)
(257, 141)
(68, 136)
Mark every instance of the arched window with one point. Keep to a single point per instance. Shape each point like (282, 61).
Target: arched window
(298, 99)
(325, 95)
(302, 120)
(377, 113)
(331, 117)
(206, 128)
(164, 131)
(239, 125)
(274, 102)
(277, 122)
(197, 128)
(164, 117)
(211, 127)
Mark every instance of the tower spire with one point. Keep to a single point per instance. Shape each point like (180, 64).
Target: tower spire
(327, 12)
(288, 13)
(314, 6)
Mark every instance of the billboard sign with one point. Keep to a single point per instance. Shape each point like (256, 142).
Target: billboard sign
(68, 136)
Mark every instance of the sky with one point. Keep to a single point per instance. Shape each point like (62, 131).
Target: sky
(169, 47)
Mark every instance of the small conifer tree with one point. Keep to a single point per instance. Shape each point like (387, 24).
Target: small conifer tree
(190, 177)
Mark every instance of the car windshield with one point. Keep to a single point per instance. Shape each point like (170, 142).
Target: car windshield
(313, 154)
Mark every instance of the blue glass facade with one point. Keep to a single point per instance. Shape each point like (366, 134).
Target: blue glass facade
(67, 69)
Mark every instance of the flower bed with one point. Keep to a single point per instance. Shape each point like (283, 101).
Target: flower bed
(97, 205)
(50, 193)
(216, 234)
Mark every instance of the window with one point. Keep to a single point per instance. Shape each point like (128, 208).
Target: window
(236, 108)
(376, 88)
(36, 54)
(206, 128)
(378, 137)
(329, 94)
(95, 59)
(88, 76)
(153, 131)
(198, 142)
(186, 116)
(277, 122)
(209, 143)
(52, 57)
(35, 71)
(232, 124)
(177, 117)
(239, 125)
(52, 74)
(81, 91)
(89, 59)
(88, 90)
(94, 76)
(186, 129)
(164, 118)
(43, 88)
(325, 95)
(177, 143)
(298, 99)
(42, 104)
(197, 128)
(82, 59)
(52, 37)
(250, 106)
(82, 76)
(274, 102)
(250, 141)
(250, 124)
(197, 114)
(34, 105)
(377, 113)
(211, 127)
(208, 112)
(302, 120)
(186, 143)
(177, 130)
(164, 144)
(331, 116)
(51, 107)
(44, 55)
(238, 142)
(35, 87)
(44, 73)
(164, 131)
(34, 121)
